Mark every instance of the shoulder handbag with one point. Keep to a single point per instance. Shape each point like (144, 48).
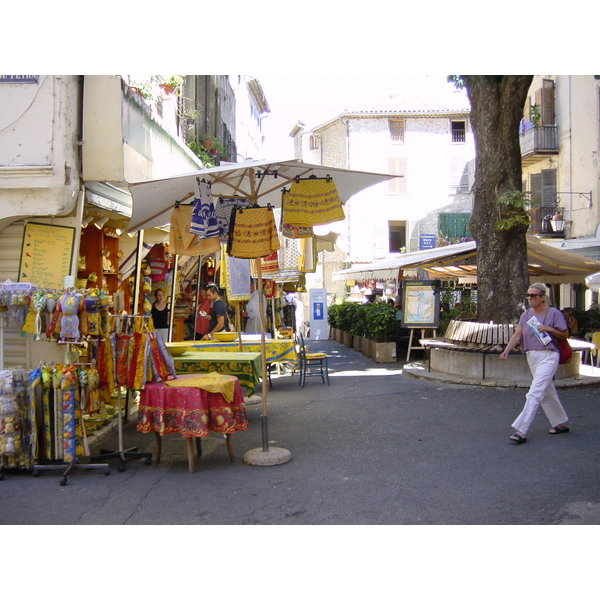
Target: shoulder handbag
(565, 351)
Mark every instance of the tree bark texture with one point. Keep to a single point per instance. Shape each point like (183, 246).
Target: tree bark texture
(497, 103)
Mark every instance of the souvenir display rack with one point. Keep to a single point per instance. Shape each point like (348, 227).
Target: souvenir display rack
(131, 453)
(16, 447)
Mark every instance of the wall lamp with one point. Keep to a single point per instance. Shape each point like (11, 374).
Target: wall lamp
(101, 222)
(86, 221)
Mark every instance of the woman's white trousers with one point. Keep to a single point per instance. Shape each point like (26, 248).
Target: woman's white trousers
(543, 365)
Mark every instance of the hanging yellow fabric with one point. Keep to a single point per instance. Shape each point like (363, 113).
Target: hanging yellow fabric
(313, 202)
(253, 233)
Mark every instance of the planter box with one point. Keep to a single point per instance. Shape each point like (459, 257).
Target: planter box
(332, 331)
(365, 347)
(383, 352)
(339, 335)
(357, 342)
(347, 339)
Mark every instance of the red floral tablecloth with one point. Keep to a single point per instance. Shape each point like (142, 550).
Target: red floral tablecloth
(190, 411)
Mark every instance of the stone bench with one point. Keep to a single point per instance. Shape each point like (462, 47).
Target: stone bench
(466, 348)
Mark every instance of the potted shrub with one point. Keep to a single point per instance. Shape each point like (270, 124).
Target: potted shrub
(358, 327)
(346, 319)
(381, 329)
(332, 319)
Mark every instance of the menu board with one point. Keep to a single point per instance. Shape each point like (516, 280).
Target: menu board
(47, 254)
(421, 306)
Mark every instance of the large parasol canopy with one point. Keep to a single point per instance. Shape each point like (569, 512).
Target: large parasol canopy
(259, 181)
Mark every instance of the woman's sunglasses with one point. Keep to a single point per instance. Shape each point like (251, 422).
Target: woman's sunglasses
(532, 295)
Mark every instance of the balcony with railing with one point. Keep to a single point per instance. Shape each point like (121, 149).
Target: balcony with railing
(537, 143)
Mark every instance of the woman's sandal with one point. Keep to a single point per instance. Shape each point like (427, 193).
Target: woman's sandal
(559, 429)
(517, 439)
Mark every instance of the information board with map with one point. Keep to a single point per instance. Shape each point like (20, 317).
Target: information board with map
(421, 305)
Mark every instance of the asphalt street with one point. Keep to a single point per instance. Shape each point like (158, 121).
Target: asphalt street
(376, 447)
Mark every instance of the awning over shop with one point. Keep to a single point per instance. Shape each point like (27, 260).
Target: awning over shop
(459, 261)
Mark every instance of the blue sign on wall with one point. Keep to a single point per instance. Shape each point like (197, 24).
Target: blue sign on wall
(19, 78)
(427, 241)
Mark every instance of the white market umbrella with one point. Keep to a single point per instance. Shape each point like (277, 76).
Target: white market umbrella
(259, 181)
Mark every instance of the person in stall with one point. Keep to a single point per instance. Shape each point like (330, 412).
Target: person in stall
(160, 314)
(219, 320)
(203, 313)
(253, 311)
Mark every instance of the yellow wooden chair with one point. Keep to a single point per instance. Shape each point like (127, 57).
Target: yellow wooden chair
(311, 364)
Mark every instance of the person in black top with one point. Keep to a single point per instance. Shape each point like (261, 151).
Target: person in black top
(160, 314)
(218, 311)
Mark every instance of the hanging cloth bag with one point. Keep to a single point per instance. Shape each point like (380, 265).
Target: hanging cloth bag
(313, 202)
(204, 222)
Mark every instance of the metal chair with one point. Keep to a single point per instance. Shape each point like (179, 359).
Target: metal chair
(311, 364)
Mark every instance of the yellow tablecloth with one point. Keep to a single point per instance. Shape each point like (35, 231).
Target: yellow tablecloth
(276, 350)
(210, 382)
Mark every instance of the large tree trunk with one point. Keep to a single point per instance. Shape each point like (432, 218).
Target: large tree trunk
(496, 109)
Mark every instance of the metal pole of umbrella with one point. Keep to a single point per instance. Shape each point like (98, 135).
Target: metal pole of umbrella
(264, 456)
(198, 274)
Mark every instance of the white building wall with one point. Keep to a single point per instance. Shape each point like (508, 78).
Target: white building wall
(434, 167)
(39, 131)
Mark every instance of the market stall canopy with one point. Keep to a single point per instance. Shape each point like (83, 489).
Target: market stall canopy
(593, 282)
(257, 180)
(459, 261)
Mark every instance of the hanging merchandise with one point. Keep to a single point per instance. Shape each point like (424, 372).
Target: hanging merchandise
(292, 231)
(269, 264)
(204, 222)
(252, 233)
(270, 288)
(308, 255)
(223, 209)
(182, 241)
(313, 201)
(289, 257)
(66, 321)
(235, 273)
(16, 450)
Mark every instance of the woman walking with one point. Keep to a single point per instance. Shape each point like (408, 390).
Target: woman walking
(535, 337)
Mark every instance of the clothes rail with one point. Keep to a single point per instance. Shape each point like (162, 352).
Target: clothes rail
(120, 453)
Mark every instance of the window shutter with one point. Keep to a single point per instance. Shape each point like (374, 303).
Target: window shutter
(397, 166)
(454, 225)
(536, 189)
(548, 187)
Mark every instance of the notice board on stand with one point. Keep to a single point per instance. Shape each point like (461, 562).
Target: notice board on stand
(421, 304)
(46, 254)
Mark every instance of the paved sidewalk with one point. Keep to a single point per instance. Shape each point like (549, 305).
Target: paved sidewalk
(377, 446)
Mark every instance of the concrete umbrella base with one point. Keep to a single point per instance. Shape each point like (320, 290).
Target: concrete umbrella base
(274, 456)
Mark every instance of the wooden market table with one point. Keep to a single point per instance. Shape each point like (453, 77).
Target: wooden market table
(246, 366)
(193, 410)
